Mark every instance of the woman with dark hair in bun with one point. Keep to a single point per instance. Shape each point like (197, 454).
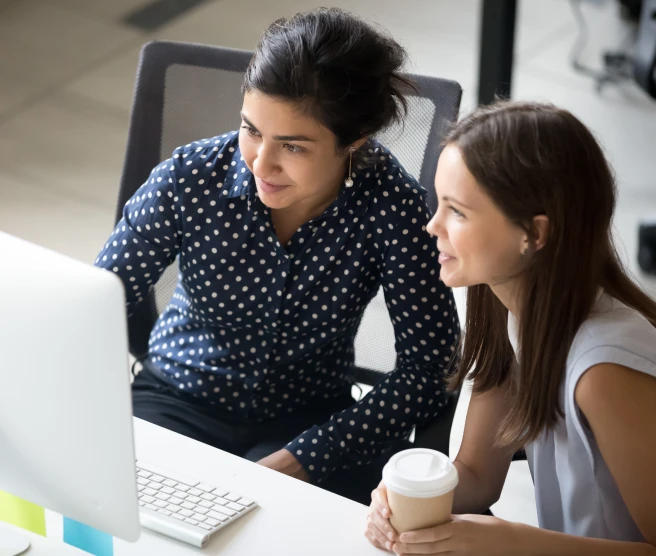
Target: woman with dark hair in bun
(284, 232)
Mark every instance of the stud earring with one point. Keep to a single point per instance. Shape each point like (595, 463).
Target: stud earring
(348, 182)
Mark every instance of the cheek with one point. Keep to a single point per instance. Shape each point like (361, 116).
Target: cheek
(307, 171)
(491, 257)
(248, 150)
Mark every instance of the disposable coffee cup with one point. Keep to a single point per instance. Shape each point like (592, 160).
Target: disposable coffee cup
(420, 485)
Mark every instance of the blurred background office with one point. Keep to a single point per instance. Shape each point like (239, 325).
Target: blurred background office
(67, 72)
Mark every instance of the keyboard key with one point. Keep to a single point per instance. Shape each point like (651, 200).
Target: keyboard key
(208, 497)
(221, 501)
(188, 506)
(216, 515)
(205, 488)
(182, 488)
(142, 481)
(163, 511)
(178, 516)
(168, 490)
(176, 501)
(170, 483)
(224, 511)
(143, 474)
(186, 513)
(147, 499)
(194, 500)
(173, 508)
(212, 522)
(236, 507)
(204, 526)
(204, 503)
(245, 502)
(232, 497)
(155, 486)
(180, 495)
(149, 491)
(192, 521)
(140, 488)
(219, 492)
(178, 477)
(195, 492)
(151, 507)
(162, 496)
(198, 517)
(156, 478)
(160, 503)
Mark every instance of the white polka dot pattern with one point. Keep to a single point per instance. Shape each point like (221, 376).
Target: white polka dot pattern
(259, 330)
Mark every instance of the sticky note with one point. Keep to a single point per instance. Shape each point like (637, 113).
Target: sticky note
(87, 538)
(22, 513)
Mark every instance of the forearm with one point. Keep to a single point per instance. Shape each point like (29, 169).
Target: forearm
(540, 542)
(371, 426)
(471, 494)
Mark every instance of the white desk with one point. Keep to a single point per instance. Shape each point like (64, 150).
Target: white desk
(294, 518)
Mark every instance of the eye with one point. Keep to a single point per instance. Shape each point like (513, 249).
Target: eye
(251, 131)
(456, 211)
(295, 149)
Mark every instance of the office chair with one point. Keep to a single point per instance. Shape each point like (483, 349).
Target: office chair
(185, 92)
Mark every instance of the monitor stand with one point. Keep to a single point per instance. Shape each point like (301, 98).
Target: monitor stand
(12, 543)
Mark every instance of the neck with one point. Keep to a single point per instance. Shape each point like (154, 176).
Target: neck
(508, 294)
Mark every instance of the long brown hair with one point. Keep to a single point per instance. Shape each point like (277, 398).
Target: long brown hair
(535, 159)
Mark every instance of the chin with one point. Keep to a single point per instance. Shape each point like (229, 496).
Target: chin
(275, 201)
(452, 280)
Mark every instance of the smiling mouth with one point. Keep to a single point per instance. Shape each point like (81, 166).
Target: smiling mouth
(268, 183)
(445, 258)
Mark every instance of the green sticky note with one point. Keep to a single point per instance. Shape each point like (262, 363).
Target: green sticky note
(22, 513)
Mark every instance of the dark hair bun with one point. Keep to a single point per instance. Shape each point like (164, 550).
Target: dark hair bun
(345, 72)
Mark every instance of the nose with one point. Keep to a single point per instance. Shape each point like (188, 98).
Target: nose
(435, 227)
(265, 164)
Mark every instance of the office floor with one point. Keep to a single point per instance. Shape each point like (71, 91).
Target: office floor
(67, 70)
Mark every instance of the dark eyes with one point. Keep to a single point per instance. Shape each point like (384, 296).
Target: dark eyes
(294, 149)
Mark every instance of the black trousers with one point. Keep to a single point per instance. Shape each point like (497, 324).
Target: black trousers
(155, 401)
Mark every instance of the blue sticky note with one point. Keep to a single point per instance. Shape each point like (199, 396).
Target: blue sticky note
(87, 538)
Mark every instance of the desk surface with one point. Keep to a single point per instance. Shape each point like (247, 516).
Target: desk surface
(294, 518)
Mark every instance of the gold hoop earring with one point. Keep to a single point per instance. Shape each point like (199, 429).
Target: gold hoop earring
(348, 182)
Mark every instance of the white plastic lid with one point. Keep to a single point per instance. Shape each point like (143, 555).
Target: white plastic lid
(420, 473)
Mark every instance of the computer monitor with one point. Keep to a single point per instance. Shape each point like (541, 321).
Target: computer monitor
(66, 438)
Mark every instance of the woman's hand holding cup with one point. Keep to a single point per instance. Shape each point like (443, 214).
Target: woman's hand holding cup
(416, 493)
(379, 530)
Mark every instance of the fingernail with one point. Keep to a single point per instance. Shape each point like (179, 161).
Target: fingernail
(388, 546)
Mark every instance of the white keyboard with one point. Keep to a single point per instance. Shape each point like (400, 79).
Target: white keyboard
(184, 508)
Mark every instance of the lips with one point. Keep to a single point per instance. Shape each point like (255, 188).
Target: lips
(269, 187)
(445, 257)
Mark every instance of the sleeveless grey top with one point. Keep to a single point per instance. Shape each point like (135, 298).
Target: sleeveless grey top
(574, 489)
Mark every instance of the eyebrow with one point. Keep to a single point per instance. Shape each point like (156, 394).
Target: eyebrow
(452, 200)
(281, 137)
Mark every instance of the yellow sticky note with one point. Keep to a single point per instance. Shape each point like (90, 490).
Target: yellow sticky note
(22, 513)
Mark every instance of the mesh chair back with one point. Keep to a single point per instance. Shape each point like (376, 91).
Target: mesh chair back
(186, 92)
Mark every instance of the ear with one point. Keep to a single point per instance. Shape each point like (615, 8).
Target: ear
(540, 231)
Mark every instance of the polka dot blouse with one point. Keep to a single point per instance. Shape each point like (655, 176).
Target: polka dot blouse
(260, 330)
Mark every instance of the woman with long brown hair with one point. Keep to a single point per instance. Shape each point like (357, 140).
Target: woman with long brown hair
(559, 342)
